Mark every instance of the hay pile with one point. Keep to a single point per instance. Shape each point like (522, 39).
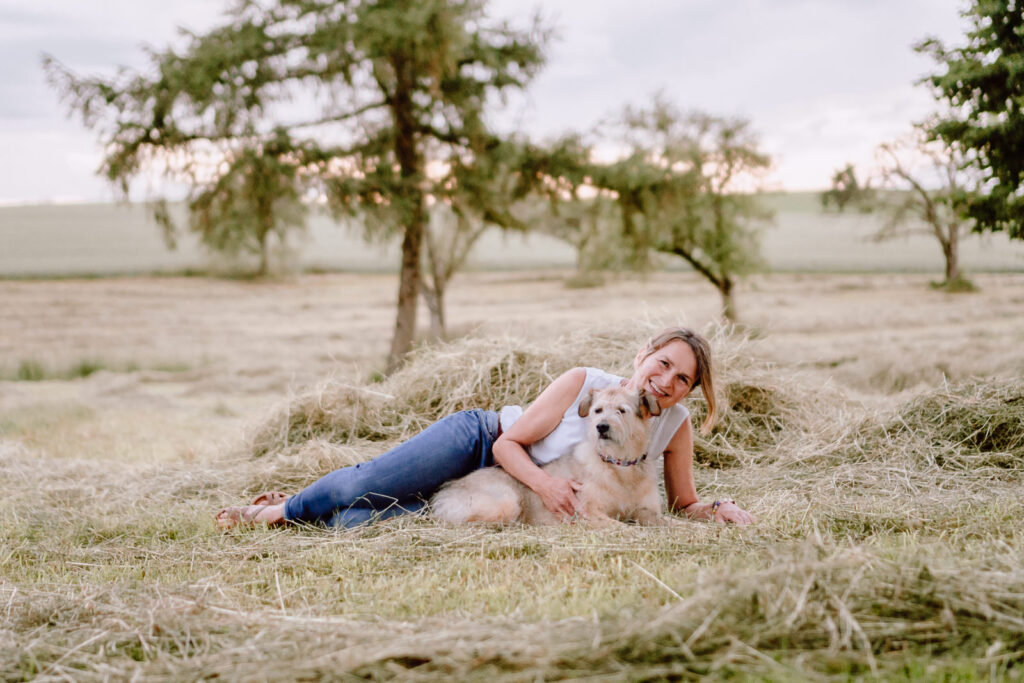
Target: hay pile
(769, 414)
(766, 412)
(338, 423)
(437, 381)
(968, 427)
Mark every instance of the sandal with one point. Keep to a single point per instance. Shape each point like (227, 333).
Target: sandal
(270, 498)
(238, 515)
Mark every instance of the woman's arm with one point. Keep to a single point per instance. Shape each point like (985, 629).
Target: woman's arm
(681, 490)
(538, 420)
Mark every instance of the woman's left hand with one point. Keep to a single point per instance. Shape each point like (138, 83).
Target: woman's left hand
(731, 512)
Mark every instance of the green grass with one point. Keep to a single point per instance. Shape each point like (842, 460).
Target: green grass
(32, 370)
(957, 285)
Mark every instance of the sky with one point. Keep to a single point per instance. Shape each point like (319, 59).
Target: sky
(822, 82)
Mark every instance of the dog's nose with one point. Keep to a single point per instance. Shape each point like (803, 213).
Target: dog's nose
(602, 428)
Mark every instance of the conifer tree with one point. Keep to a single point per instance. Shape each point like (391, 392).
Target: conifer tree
(983, 83)
(362, 98)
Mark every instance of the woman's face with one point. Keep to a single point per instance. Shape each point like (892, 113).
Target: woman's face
(668, 373)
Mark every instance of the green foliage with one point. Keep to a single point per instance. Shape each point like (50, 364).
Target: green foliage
(258, 194)
(685, 189)
(983, 82)
(476, 193)
(572, 207)
(684, 186)
(846, 191)
(385, 91)
(87, 367)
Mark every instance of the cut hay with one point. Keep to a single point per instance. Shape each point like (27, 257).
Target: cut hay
(767, 414)
(883, 550)
(814, 612)
(761, 409)
(470, 373)
(969, 426)
(889, 544)
(764, 411)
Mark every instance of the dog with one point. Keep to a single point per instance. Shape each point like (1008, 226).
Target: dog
(619, 480)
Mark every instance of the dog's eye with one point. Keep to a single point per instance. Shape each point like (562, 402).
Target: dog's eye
(597, 411)
(622, 411)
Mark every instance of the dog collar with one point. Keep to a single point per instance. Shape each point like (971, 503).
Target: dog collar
(623, 463)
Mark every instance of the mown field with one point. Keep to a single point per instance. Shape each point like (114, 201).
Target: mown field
(99, 239)
(876, 428)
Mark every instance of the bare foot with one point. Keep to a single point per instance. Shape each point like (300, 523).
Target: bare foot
(250, 515)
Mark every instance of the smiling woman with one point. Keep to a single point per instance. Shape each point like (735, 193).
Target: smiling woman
(670, 366)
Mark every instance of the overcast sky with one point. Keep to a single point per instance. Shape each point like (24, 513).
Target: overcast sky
(822, 81)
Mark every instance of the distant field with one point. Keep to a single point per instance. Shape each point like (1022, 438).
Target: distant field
(102, 239)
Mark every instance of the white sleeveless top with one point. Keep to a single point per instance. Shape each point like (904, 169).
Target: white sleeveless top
(572, 429)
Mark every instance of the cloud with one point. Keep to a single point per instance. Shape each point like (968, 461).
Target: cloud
(823, 81)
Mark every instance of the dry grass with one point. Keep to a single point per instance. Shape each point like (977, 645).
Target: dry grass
(889, 541)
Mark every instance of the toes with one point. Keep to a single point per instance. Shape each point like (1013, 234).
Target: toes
(226, 518)
(235, 515)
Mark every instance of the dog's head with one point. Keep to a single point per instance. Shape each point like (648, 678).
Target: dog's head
(618, 422)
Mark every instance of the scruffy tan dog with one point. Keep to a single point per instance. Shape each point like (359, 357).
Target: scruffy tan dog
(619, 481)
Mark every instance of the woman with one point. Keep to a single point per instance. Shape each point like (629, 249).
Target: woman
(670, 366)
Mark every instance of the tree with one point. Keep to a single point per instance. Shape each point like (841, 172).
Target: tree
(934, 185)
(370, 94)
(564, 203)
(686, 188)
(477, 192)
(257, 194)
(846, 191)
(449, 238)
(983, 83)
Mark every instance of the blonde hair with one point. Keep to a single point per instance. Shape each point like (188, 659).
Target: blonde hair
(702, 352)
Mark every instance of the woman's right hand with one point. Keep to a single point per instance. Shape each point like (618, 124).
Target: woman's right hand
(539, 419)
(559, 495)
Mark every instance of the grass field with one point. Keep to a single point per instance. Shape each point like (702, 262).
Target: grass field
(103, 239)
(876, 427)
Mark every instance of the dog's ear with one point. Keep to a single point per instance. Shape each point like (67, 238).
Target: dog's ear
(585, 403)
(648, 404)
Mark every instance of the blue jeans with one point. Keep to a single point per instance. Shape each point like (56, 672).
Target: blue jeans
(403, 479)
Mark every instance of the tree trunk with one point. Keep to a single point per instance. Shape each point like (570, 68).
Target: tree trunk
(412, 203)
(951, 251)
(408, 292)
(265, 216)
(434, 298)
(723, 284)
(728, 300)
(434, 285)
(264, 255)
